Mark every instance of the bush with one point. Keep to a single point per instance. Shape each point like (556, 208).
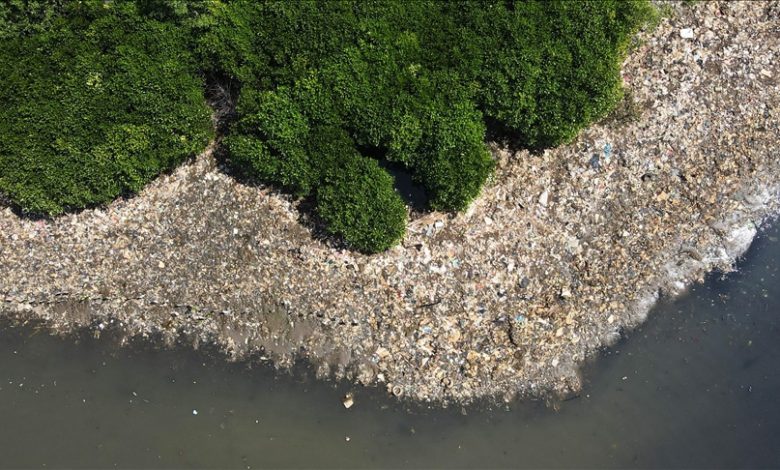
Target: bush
(25, 17)
(269, 141)
(454, 161)
(356, 198)
(93, 110)
(413, 83)
(102, 96)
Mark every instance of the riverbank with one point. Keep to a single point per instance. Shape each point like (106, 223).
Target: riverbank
(561, 252)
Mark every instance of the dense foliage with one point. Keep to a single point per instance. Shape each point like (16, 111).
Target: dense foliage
(95, 108)
(24, 17)
(412, 82)
(324, 88)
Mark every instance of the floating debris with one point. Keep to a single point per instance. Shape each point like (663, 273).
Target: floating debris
(348, 401)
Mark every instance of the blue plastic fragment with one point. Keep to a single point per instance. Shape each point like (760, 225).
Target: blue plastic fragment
(607, 151)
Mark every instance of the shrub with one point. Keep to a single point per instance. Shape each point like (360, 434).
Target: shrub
(545, 69)
(176, 10)
(105, 94)
(24, 17)
(356, 198)
(93, 110)
(271, 146)
(264, 44)
(413, 83)
(454, 162)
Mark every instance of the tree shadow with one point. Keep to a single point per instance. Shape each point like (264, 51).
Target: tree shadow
(413, 193)
(221, 93)
(7, 203)
(510, 139)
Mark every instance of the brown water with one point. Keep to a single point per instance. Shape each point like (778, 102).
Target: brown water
(697, 386)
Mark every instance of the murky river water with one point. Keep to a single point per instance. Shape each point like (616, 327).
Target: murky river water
(697, 386)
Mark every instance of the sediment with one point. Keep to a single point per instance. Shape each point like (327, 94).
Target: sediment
(563, 251)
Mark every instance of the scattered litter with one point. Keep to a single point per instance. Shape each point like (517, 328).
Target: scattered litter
(543, 198)
(348, 401)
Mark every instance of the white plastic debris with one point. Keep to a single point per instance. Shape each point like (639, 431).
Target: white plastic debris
(348, 401)
(544, 197)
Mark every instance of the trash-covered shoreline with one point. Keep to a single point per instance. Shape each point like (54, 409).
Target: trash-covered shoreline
(563, 250)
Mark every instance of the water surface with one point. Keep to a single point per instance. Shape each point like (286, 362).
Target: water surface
(697, 386)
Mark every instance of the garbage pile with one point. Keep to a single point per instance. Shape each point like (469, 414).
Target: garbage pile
(563, 250)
